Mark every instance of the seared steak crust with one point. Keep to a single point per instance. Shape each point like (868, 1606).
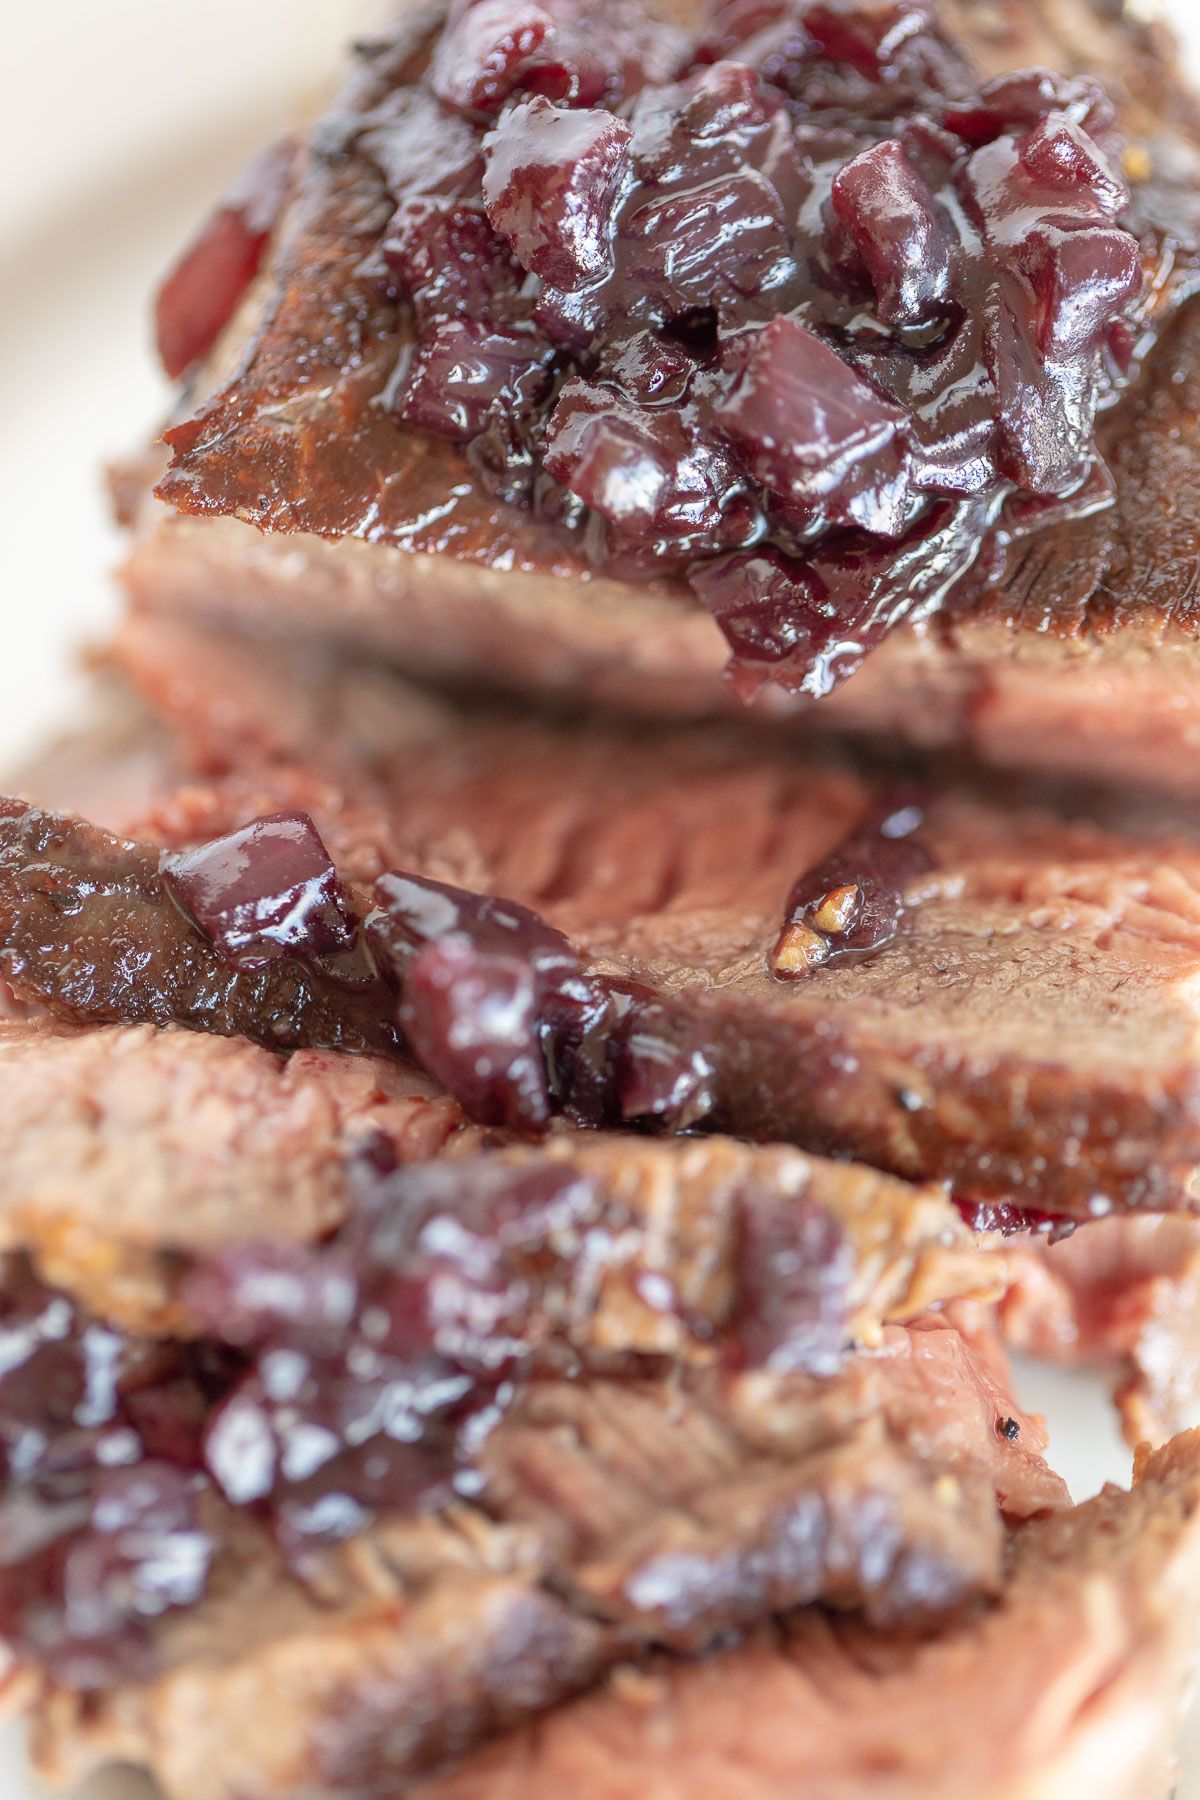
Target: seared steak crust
(1081, 653)
(90, 931)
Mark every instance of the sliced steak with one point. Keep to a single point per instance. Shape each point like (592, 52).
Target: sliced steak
(1123, 1297)
(1100, 1598)
(126, 1152)
(1080, 651)
(609, 1517)
(341, 1329)
(126, 1149)
(451, 1347)
(941, 1055)
(129, 1151)
(92, 930)
(543, 1469)
(1029, 1032)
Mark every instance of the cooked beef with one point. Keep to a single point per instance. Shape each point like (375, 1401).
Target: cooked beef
(125, 1149)
(147, 1163)
(939, 1056)
(1029, 1034)
(916, 1376)
(126, 1152)
(609, 1518)
(1122, 1297)
(1073, 1684)
(92, 930)
(131, 1151)
(1080, 653)
(322, 1385)
(325, 1474)
(665, 1248)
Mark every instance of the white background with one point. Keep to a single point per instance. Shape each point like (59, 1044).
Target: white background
(120, 120)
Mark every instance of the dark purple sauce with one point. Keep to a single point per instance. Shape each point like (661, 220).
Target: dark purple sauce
(335, 1382)
(794, 1272)
(254, 934)
(853, 902)
(100, 1531)
(485, 983)
(251, 935)
(498, 1006)
(266, 891)
(1014, 1221)
(795, 309)
(201, 293)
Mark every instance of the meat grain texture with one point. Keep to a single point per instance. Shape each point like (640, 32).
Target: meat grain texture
(1071, 1685)
(612, 1517)
(1071, 1682)
(1029, 1034)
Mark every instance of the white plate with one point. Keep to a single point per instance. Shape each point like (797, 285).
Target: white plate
(123, 120)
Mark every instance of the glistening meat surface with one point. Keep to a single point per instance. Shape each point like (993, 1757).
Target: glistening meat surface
(1033, 669)
(1029, 1032)
(95, 932)
(323, 1509)
(716, 1501)
(1102, 1596)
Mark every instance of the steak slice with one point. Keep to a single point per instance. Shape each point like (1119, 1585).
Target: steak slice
(1081, 653)
(93, 931)
(124, 1150)
(126, 1153)
(1029, 1033)
(1000, 1041)
(1123, 1297)
(611, 1516)
(1072, 1684)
